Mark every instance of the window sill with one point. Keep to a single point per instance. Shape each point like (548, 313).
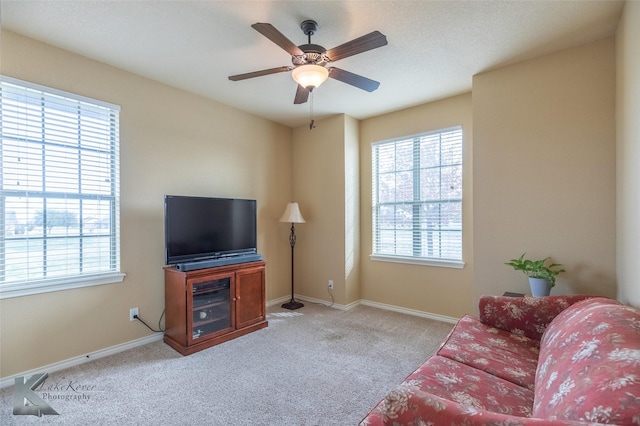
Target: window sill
(45, 286)
(456, 264)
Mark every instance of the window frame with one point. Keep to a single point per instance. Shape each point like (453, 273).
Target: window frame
(409, 259)
(25, 287)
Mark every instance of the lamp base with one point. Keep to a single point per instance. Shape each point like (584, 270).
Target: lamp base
(292, 305)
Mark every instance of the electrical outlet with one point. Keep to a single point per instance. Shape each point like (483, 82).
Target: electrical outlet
(133, 312)
(330, 284)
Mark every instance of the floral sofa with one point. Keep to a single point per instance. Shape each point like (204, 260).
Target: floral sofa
(555, 360)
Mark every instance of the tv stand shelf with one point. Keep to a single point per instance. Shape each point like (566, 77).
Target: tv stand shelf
(209, 306)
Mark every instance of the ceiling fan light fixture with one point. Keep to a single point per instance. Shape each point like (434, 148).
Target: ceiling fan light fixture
(310, 76)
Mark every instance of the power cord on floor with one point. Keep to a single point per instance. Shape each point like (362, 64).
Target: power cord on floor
(332, 299)
(322, 304)
(160, 330)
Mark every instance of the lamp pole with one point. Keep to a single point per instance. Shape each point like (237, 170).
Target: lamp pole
(292, 304)
(293, 216)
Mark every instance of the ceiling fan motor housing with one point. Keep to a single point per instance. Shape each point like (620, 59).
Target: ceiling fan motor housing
(313, 54)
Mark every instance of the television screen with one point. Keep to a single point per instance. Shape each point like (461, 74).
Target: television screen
(201, 228)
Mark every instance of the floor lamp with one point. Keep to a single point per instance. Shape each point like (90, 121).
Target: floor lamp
(292, 215)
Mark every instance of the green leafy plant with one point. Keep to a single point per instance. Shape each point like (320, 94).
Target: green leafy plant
(537, 268)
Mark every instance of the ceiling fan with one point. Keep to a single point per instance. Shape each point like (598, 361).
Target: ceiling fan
(310, 61)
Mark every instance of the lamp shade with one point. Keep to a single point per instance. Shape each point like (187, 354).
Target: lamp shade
(310, 75)
(292, 214)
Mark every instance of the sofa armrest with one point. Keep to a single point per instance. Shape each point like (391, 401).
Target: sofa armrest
(403, 406)
(527, 316)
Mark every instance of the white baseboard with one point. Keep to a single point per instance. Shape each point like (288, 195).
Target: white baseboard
(378, 305)
(408, 311)
(82, 359)
(285, 299)
(278, 301)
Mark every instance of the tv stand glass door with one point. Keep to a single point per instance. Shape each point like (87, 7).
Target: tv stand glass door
(210, 311)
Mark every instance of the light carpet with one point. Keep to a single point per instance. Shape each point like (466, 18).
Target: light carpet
(313, 366)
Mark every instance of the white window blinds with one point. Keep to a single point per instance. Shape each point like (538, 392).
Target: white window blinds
(417, 196)
(59, 188)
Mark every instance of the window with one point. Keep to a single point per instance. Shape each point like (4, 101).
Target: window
(417, 199)
(59, 190)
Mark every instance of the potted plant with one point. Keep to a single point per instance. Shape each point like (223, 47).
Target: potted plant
(542, 278)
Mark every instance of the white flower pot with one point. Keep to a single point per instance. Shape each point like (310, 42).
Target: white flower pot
(539, 287)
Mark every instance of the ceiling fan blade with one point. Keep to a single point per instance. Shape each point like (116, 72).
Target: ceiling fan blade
(258, 73)
(302, 95)
(356, 80)
(270, 32)
(369, 41)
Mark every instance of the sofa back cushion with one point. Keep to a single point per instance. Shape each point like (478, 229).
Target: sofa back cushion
(589, 364)
(526, 316)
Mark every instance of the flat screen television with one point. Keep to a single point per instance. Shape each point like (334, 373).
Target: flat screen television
(202, 228)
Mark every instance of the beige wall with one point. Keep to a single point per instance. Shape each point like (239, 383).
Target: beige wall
(319, 188)
(352, 210)
(628, 153)
(544, 170)
(172, 142)
(437, 290)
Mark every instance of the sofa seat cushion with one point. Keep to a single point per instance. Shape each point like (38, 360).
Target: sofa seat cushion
(589, 366)
(510, 356)
(458, 385)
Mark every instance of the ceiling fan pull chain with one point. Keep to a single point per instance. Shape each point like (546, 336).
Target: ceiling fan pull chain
(311, 120)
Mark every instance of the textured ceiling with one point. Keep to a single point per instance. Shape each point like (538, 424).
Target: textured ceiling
(434, 47)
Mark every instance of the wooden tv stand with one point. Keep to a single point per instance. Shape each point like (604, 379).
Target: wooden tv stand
(206, 307)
